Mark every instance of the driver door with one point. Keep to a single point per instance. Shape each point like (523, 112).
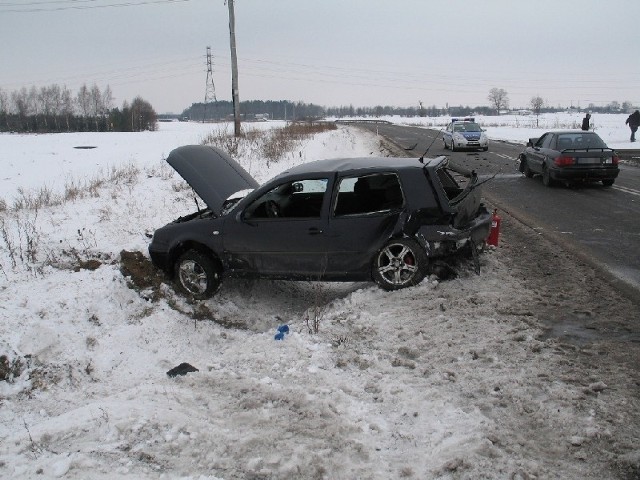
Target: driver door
(281, 233)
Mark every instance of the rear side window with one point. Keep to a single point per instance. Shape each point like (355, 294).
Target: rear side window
(368, 194)
(449, 181)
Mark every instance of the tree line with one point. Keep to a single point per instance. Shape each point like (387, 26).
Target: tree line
(499, 99)
(288, 110)
(55, 108)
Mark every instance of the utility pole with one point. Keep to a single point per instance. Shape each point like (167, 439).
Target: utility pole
(210, 90)
(234, 70)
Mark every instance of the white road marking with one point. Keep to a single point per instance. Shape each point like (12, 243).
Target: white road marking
(502, 155)
(627, 190)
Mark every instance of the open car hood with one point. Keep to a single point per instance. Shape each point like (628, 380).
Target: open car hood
(212, 173)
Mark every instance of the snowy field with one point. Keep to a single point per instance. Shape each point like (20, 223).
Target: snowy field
(444, 380)
(519, 128)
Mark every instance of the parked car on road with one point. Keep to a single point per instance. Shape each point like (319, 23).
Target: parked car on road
(569, 156)
(359, 219)
(464, 133)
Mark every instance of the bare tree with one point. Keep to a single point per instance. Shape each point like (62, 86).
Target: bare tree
(4, 107)
(143, 116)
(45, 100)
(95, 104)
(83, 101)
(107, 103)
(33, 105)
(536, 105)
(66, 105)
(20, 100)
(55, 96)
(499, 99)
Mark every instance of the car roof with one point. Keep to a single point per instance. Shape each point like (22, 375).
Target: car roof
(577, 130)
(342, 165)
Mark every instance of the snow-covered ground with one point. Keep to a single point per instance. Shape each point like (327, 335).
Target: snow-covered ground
(444, 380)
(519, 128)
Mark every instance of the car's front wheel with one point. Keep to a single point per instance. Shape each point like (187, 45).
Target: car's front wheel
(446, 147)
(197, 274)
(401, 263)
(608, 182)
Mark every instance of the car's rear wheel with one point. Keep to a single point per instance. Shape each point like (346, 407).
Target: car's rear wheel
(608, 182)
(401, 263)
(485, 149)
(546, 177)
(197, 274)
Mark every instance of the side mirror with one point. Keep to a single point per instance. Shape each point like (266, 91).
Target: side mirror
(242, 218)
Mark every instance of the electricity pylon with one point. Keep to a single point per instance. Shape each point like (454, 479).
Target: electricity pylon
(210, 90)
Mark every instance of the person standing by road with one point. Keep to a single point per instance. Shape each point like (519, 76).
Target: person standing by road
(633, 121)
(585, 122)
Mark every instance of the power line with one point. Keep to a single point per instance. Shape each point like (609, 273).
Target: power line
(77, 7)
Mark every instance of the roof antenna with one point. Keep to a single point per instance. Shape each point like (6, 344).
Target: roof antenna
(421, 159)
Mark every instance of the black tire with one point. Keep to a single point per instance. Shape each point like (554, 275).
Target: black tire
(608, 182)
(485, 149)
(400, 263)
(197, 275)
(453, 146)
(446, 147)
(524, 168)
(546, 177)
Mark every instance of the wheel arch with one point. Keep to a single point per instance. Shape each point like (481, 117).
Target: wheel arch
(182, 247)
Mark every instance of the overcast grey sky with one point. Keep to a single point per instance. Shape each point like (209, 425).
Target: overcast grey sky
(329, 52)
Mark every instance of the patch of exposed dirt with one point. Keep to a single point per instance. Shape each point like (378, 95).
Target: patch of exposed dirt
(140, 273)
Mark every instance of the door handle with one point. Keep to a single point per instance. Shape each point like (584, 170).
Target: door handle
(315, 231)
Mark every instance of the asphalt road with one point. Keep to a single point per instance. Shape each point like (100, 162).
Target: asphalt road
(599, 224)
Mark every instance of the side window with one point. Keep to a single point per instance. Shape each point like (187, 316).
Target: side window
(368, 194)
(295, 199)
(449, 183)
(542, 140)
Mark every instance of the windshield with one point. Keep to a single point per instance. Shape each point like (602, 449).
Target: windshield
(467, 127)
(233, 199)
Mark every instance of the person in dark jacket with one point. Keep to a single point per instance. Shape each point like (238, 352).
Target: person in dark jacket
(585, 122)
(633, 121)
